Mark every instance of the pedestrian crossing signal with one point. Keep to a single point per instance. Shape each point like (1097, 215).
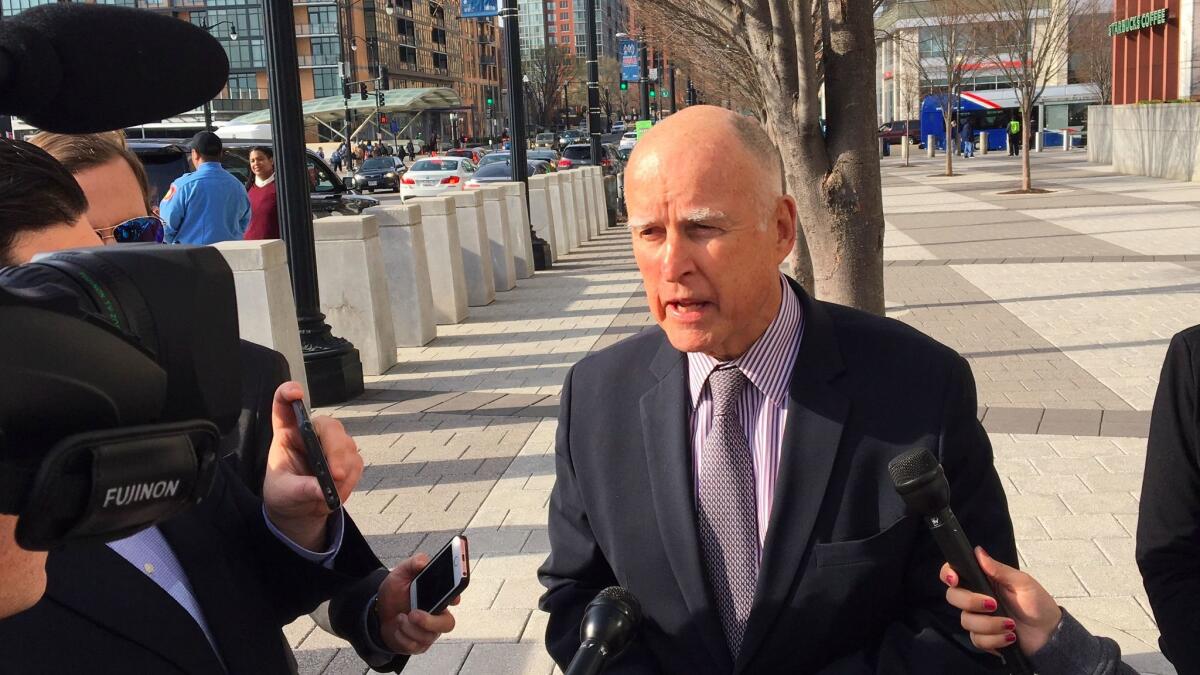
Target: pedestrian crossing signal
(652, 93)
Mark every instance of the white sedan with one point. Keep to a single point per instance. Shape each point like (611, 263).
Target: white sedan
(628, 140)
(436, 175)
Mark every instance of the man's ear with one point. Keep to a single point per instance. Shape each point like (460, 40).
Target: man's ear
(785, 225)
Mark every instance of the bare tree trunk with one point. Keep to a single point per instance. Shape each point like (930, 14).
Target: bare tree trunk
(949, 140)
(1026, 176)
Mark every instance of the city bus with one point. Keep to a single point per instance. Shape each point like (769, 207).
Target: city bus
(1063, 107)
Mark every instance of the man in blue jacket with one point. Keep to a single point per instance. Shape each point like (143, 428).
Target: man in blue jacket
(208, 205)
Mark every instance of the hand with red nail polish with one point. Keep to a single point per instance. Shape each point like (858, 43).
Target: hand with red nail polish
(1035, 613)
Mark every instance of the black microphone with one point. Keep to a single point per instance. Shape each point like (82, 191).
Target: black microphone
(609, 624)
(73, 68)
(923, 486)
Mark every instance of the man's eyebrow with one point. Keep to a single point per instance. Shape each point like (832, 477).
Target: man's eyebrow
(635, 224)
(704, 215)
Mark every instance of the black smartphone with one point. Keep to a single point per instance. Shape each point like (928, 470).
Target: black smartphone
(316, 456)
(443, 579)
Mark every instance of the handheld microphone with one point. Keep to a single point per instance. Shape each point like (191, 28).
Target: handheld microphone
(609, 624)
(922, 485)
(74, 68)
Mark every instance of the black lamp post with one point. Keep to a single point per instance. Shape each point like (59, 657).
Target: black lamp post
(233, 35)
(593, 80)
(331, 363)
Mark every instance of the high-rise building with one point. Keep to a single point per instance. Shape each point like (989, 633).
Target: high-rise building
(400, 43)
(561, 23)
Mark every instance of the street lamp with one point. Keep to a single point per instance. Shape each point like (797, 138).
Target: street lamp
(233, 35)
(643, 68)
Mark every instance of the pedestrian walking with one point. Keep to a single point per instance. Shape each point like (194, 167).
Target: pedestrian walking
(954, 145)
(260, 190)
(321, 153)
(412, 152)
(1014, 137)
(208, 205)
(968, 140)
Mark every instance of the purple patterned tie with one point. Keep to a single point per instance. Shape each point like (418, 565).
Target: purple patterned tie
(727, 510)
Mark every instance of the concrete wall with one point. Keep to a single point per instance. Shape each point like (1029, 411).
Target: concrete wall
(1099, 128)
(1161, 140)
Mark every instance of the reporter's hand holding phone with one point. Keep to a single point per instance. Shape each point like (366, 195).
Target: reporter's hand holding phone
(406, 630)
(292, 496)
(1035, 613)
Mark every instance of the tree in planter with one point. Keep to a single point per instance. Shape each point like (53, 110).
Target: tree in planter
(947, 48)
(794, 51)
(1028, 44)
(548, 69)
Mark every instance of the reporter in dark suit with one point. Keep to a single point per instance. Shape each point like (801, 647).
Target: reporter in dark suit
(729, 467)
(1168, 535)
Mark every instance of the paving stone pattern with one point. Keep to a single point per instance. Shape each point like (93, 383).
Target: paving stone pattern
(1063, 321)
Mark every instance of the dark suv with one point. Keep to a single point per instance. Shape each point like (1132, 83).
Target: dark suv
(892, 132)
(168, 159)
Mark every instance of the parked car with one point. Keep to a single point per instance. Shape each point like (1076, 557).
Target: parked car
(545, 140)
(618, 127)
(580, 154)
(436, 175)
(501, 172)
(493, 157)
(892, 132)
(168, 159)
(628, 140)
(380, 173)
(473, 154)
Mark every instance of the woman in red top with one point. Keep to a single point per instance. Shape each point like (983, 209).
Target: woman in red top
(264, 214)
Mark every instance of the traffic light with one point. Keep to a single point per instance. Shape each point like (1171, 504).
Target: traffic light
(362, 91)
(652, 93)
(490, 101)
(624, 86)
(346, 88)
(666, 92)
(380, 99)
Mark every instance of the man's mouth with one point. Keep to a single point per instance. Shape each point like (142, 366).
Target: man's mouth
(688, 310)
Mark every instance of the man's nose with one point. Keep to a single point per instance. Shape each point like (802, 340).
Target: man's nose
(677, 259)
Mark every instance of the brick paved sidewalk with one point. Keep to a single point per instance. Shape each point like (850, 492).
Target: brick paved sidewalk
(1063, 317)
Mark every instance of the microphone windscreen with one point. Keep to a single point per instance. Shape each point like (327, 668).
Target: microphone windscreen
(76, 68)
(911, 465)
(619, 594)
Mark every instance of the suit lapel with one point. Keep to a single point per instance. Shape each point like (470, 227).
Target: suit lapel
(812, 433)
(664, 410)
(96, 582)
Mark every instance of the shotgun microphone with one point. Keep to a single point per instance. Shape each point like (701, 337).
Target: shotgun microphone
(74, 68)
(922, 484)
(609, 624)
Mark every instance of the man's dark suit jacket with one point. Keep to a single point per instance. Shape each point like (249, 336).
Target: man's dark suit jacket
(100, 614)
(1168, 536)
(848, 582)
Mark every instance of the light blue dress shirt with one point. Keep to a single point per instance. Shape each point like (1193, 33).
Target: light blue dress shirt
(149, 551)
(204, 207)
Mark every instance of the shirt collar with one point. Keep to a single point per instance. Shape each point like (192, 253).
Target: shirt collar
(768, 362)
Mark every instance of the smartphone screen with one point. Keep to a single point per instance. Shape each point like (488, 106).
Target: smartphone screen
(438, 583)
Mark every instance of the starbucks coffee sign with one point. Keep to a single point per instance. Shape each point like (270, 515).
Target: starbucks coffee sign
(1157, 17)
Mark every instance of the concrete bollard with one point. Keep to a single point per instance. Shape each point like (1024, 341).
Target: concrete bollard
(476, 250)
(581, 206)
(402, 239)
(1039, 140)
(265, 304)
(518, 221)
(983, 141)
(881, 142)
(930, 146)
(353, 288)
(611, 188)
(597, 183)
(586, 200)
(1008, 143)
(570, 217)
(562, 244)
(495, 215)
(1066, 134)
(443, 252)
(541, 212)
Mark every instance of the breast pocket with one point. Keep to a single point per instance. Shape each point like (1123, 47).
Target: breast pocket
(888, 545)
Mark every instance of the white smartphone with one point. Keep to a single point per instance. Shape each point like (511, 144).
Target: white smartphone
(443, 579)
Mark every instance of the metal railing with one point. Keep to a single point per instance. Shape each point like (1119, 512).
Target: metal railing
(244, 94)
(311, 29)
(312, 60)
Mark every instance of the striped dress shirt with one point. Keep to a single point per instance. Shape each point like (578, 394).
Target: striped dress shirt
(762, 408)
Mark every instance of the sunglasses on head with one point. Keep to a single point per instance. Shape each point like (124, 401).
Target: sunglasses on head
(134, 230)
